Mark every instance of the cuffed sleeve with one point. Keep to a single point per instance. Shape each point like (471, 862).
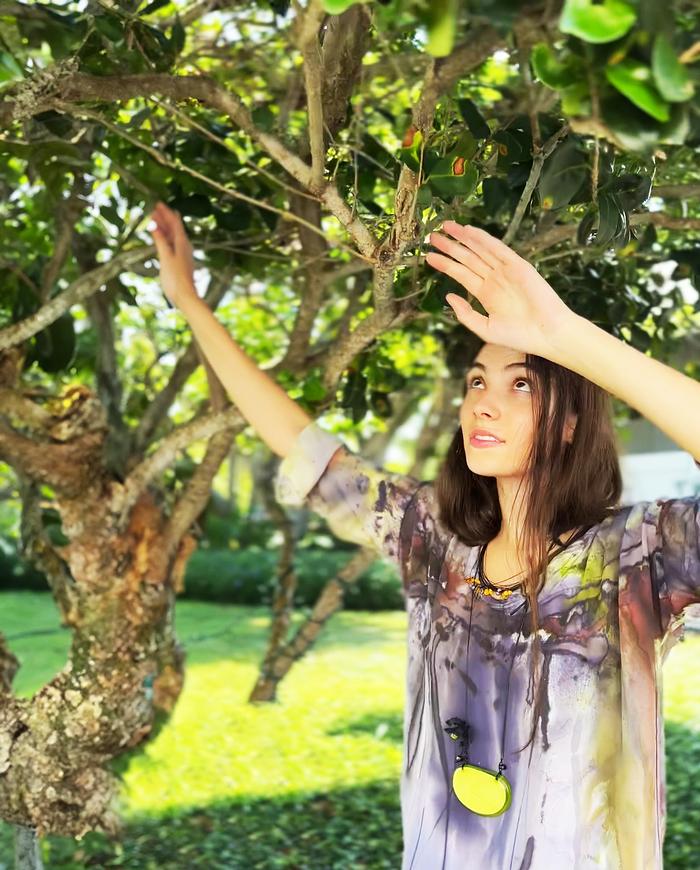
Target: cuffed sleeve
(301, 468)
(360, 501)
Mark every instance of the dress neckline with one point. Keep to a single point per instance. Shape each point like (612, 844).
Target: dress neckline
(513, 598)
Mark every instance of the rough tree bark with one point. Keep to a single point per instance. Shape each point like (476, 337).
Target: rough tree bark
(114, 583)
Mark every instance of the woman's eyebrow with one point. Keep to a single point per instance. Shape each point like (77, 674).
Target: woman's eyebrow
(515, 365)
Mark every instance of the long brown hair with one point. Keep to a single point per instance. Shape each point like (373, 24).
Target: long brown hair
(567, 485)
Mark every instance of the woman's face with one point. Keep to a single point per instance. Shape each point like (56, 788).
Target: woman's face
(499, 399)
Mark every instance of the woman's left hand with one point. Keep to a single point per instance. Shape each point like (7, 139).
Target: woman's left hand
(524, 311)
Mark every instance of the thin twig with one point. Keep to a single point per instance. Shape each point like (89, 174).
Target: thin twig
(224, 144)
(62, 107)
(531, 184)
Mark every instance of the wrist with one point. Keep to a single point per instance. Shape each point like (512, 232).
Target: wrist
(187, 298)
(570, 340)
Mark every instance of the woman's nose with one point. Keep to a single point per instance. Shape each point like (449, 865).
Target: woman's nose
(486, 406)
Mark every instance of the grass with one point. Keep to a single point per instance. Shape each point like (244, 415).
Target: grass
(310, 781)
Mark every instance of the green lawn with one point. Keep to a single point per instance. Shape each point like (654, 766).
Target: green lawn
(310, 781)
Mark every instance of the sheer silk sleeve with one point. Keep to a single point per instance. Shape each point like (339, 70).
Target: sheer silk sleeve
(361, 502)
(673, 542)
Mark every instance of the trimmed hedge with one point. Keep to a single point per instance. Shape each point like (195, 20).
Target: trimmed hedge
(248, 577)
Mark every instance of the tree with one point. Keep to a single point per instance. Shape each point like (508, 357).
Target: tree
(310, 151)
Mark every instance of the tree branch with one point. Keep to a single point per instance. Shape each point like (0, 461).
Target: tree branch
(563, 232)
(68, 468)
(125, 495)
(18, 410)
(60, 85)
(67, 214)
(79, 290)
(440, 77)
(109, 386)
(676, 191)
(307, 37)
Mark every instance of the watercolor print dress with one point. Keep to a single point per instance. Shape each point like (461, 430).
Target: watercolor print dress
(589, 791)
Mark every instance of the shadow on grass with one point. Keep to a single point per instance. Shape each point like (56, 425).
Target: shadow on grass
(383, 727)
(343, 829)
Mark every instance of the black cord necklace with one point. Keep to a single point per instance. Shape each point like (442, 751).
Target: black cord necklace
(483, 791)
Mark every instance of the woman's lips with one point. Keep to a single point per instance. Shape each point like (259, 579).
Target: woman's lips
(475, 442)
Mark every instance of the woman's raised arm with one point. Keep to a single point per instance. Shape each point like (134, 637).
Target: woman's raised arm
(276, 418)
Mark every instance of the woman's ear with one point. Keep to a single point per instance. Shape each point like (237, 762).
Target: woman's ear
(571, 421)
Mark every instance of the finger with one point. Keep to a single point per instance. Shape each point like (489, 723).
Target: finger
(461, 274)
(163, 248)
(466, 315)
(179, 225)
(460, 253)
(166, 233)
(492, 244)
(165, 223)
(161, 212)
(461, 233)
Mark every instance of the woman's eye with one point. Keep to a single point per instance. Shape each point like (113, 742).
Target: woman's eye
(517, 381)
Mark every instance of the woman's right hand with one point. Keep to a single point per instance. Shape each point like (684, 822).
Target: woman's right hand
(175, 255)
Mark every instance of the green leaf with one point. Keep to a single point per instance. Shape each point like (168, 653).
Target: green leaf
(597, 22)
(336, 7)
(109, 213)
(552, 72)
(314, 390)
(563, 173)
(424, 196)
(454, 177)
(154, 6)
(634, 79)
(409, 153)
(177, 35)
(474, 119)
(677, 129)
(611, 215)
(586, 227)
(576, 99)
(671, 76)
(10, 70)
(380, 403)
(495, 193)
(264, 117)
(55, 345)
(508, 148)
(634, 129)
(442, 27)
(631, 189)
(196, 205)
(110, 27)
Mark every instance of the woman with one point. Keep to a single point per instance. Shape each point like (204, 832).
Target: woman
(539, 609)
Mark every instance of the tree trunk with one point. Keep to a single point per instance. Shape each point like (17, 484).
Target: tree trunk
(27, 852)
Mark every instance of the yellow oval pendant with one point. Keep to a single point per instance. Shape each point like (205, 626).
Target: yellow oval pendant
(480, 791)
